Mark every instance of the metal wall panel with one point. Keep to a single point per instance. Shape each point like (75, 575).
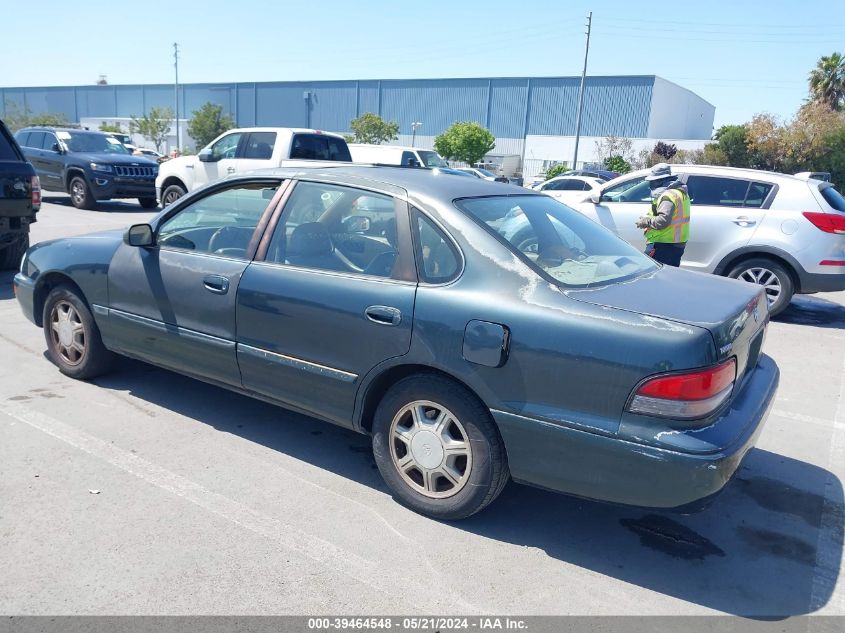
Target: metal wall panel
(508, 100)
(129, 101)
(282, 104)
(437, 103)
(368, 96)
(245, 111)
(333, 105)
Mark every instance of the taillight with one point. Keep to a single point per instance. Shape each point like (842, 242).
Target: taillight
(36, 193)
(827, 222)
(685, 395)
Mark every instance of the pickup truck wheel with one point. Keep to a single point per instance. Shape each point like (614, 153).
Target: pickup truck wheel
(772, 276)
(148, 203)
(80, 194)
(73, 338)
(10, 257)
(437, 448)
(172, 194)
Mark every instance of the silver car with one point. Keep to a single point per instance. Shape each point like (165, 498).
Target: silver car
(784, 233)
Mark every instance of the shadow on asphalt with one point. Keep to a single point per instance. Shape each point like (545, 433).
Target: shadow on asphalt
(754, 552)
(130, 205)
(815, 311)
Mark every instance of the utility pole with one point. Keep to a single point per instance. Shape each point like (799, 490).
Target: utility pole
(581, 92)
(414, 127)
(176, 92)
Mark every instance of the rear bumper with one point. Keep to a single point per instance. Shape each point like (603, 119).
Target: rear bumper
(611, 469)
(821, 282)
(25, 293)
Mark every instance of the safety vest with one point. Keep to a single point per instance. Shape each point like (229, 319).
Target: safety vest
(678, 230)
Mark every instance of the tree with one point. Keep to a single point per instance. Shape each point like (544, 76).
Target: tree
(556, 170)
(665, 150)
(617, 164)
(371, 128)
(465, 141)
(732, 142)
(207, 123)
(614, 146)
(111, 127)
(17, 117)
(827, 81)
(766, 142)
(155, 126)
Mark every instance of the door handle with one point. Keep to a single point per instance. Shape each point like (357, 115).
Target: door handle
(383, 315)
(744, 220)
(231, 170)
(217, 284)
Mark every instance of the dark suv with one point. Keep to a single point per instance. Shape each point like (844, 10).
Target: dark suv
(20, 199)
(88, 165)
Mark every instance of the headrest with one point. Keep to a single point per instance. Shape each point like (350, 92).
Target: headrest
(311, 238)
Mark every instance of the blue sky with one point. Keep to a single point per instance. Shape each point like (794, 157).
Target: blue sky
(742, 56)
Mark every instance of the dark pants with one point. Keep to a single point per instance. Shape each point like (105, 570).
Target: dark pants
(669, 254)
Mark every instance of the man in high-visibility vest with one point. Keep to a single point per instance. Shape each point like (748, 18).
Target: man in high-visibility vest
(667, 226)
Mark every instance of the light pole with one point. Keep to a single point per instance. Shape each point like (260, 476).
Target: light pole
(414, 127)
(581, 92)
(176, 93)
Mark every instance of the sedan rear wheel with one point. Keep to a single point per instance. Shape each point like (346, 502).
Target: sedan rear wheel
(438, 448)
(772, 277)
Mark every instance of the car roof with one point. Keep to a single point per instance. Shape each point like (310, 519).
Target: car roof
(735, 172)
(51, 128)
(443, 187)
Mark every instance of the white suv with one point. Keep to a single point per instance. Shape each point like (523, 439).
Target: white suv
(782, 232)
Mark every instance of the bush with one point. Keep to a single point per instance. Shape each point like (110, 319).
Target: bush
(556, 170)
(617, 164)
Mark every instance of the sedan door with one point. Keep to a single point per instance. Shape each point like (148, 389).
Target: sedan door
(333, 298)
(173, 303)
(619, 207)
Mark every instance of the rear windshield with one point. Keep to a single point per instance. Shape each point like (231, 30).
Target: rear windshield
(833, 198)
(7, 149)
(319, 147)
(559, 243)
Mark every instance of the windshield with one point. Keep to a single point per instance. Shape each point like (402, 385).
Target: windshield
(431, 159)
(91, 143)
(487, 173)
(558, 242)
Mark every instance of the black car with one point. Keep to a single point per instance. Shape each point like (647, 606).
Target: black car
(20, 199)
(88, 165)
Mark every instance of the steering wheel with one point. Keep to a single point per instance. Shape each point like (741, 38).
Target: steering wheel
(218, 241)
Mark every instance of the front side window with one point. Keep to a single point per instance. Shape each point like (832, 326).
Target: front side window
(319, 147)
(431, 159)
(335, 228)
(49, 141)
(226, 147)
(633, 190)
(221, 223)
(559, 243)
(260, 145)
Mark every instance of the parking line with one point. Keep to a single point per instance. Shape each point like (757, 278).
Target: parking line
(335, 558)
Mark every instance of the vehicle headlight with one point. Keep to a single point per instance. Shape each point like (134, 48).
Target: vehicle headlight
(100, 167)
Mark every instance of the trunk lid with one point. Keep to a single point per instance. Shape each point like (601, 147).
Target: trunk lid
(734, 312)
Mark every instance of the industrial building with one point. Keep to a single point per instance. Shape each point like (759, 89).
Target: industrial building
(532, 117)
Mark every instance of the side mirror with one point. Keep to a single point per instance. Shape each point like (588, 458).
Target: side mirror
(206, 155)
(594, 197)
(56, 148)
(139, 235)
(356, 224)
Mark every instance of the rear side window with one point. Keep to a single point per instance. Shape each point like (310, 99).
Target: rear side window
(7, 148)
(260, 145)
(757, 194)
(22, 138)
(437, 261)
(833, 198)
(319, 147)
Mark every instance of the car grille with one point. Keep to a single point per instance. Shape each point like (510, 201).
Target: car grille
(126, 170)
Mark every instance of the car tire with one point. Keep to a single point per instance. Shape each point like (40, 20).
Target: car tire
(772, 275)
(73, 339)
(10, 257)
(172, 194)
(438, 448)
(148, 203)
(80, 194)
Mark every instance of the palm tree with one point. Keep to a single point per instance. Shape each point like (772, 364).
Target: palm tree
(827, 80)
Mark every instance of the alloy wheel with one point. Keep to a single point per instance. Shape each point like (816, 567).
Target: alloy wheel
(766, 278)
(67, 333)
(430, 449)
(170, 197)
(77, 192)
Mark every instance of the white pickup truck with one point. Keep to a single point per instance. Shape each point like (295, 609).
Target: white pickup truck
(246, 149)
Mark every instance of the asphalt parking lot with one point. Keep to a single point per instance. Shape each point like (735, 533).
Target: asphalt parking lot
(144, 492)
